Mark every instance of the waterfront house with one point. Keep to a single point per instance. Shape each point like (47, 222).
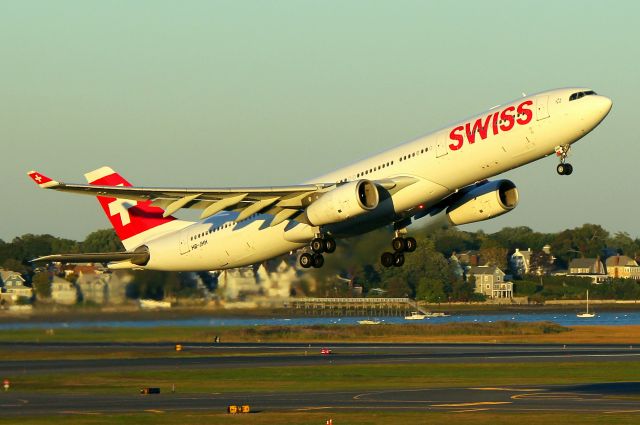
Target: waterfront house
(489, 281)
(588, 267)
(622, 267)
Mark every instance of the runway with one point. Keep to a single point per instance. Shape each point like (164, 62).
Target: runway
(608, 397)
(203, 355)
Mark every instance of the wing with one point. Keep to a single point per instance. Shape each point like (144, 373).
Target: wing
(281, 201)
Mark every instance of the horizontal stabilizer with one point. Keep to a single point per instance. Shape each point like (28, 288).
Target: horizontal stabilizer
(140, 257)
(42, 180)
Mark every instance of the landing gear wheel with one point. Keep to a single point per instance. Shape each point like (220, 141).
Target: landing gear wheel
(564, 169)
(306, 260)
(318, 261)
(410, 244)
(568, 169)
(561, 169)
(398, 259)
(329, 245)
(317, 245)
(398, 244)
(386, 259)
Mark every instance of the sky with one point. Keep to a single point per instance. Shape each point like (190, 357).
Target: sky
(233, 93)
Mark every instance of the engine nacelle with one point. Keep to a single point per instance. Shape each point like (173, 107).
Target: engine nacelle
(489, 200)
(343, 202)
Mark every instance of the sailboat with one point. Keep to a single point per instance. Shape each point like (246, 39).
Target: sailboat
(586, 314)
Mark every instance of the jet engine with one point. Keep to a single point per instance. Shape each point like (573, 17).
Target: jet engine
(482, 202)
(343, 202)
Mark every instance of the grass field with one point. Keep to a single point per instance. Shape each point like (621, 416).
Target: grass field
(325, 376)
(322, 376)
(339, 418)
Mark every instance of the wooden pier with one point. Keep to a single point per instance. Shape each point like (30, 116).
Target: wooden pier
(337, 307)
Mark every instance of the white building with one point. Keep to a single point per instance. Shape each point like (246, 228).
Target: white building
(63, 291)
(104, 288)
(12, 286)
(254, 281)
(520, 262)
(622, 267)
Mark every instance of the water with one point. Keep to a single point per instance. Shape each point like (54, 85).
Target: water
(561, 318)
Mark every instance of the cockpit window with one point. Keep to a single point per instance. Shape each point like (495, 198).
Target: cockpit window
(581, 94)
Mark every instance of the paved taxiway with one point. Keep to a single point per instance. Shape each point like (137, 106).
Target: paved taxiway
(610, 397)
(602, 398)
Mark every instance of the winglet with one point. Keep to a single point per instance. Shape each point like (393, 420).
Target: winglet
(42, 180)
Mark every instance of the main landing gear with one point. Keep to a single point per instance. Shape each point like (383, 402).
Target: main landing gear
(564, 168)
(315, 258)
(400, 245)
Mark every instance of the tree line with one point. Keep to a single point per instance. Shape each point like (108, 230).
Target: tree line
(427, 273)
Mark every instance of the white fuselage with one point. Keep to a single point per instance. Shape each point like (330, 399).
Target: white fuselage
(442, 162)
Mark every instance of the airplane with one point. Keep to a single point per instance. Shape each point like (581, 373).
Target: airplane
(442, 176)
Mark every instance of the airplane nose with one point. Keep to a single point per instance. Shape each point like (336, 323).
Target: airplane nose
(604, 105)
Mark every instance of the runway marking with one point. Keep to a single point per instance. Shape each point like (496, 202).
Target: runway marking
(563, 356)
(506, 389)
(479, 403)
(555, 396)
(154, 411)
(77, 412)
(470, 410)
(303, 409)
(623, 411)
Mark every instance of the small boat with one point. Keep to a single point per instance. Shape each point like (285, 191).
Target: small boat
(368, 322)
(437, 314)
(586, 314)
(415, 316)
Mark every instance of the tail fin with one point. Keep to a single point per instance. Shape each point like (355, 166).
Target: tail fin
(134, 221)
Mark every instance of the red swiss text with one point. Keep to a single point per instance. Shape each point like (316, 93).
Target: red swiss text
(496, 122)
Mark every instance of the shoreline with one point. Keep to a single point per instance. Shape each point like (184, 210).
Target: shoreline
(134, 313)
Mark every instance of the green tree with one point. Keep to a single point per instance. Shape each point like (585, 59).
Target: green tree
(430, 290)
(494, 256)
(448, 241)
(521, 237)
(104, 240)
(624, 244)
(41, 283)
(147, 284)
(14, 265)
(588, 240)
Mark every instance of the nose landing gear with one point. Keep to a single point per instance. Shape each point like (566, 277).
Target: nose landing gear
(564, 168)
(315, 258)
